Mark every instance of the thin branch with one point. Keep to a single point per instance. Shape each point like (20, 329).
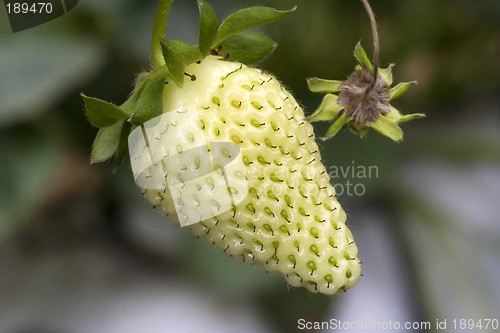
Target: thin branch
(376, 44)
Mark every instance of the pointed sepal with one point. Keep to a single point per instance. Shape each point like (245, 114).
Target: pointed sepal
(106, 143)
(362, 57)
(177, 56)
(150, 100)
(247, 47)
(323, 86)
(208, 27)
(248, 18)
(122, 149)
(101, 113)
(386, 74)
(409, 117)
(400, 89)
(388, 128)
(336, 126)
(359, 130)
(328, 109)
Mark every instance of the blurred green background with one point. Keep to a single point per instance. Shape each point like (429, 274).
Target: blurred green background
(80, 250)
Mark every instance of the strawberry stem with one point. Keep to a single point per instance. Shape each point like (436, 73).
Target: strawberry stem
(376, 44)
(159, 27)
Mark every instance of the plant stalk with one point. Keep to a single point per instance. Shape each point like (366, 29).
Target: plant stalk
(376, 43)
(159, 28)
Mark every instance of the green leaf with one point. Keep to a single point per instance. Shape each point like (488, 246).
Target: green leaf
(327, 110)
(323, 86)
(150, 102)
(106, 143)
(400, 89)
(177, 56)
(247, 48)
(208, 27)
(101, 113)
(388, 128)
(360, 55)
(409, 117)
(386, 74)
(248, 18)
(336, 126)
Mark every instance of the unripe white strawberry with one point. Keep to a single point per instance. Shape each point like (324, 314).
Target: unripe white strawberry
(215, 140)
(290, 221)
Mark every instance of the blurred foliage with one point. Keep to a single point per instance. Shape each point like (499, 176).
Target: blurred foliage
(451, 47)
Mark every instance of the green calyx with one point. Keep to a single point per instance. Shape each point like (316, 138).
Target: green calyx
(170, 58)
(362, 101)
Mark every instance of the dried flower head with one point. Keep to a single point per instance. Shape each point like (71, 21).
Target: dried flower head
(360, 102)
(364, 100)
